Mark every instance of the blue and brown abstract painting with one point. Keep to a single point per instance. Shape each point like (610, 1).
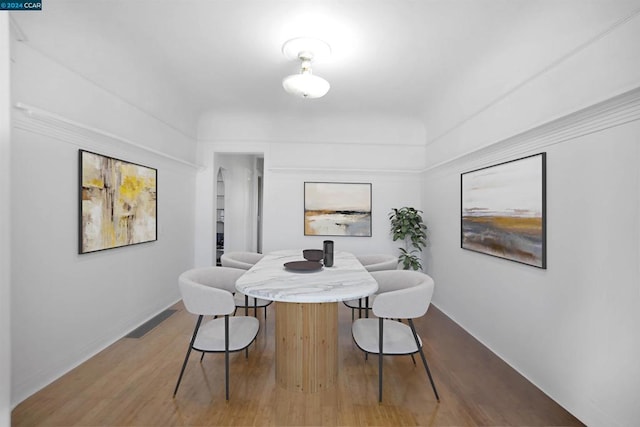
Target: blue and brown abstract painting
(503, 210)
(117, 203)
(337, 209)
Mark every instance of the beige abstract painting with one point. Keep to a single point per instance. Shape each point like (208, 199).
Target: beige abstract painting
(117, 203)
(337, 209)
(503, 210)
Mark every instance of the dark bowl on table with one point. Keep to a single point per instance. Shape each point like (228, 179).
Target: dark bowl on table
(313, 254)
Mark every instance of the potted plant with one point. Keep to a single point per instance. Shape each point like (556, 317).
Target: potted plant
(407, 225)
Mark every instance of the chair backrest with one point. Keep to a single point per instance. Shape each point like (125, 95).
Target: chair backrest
(208, 291)
(402, 294)
(243, 260)
(378, 262)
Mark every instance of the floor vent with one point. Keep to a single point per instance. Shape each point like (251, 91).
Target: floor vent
(150, 324)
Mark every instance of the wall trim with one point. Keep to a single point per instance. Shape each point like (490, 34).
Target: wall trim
(615, 111)
(346, 171)
(274, 140)
(23, 39)
(17, 31)
(620, 22)
(72, 132)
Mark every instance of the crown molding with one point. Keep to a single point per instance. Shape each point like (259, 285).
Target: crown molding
(407, 172)
(17, 31)
(46, 123)
(289, 140)
(546, 69)
(616, 111)
(24, 41)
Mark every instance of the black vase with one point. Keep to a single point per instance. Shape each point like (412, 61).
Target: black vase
(328, 253)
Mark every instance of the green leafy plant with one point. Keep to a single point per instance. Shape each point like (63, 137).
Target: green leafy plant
(407, 225)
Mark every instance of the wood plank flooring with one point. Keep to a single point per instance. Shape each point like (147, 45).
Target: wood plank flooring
(131, 384)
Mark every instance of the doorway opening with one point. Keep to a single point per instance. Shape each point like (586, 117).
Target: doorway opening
(219, 215)
(239, 200)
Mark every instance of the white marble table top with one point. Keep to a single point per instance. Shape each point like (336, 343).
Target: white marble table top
(268, 279)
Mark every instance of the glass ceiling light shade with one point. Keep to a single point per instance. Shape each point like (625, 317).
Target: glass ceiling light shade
(305, 84)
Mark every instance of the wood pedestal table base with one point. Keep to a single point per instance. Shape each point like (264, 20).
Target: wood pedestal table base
(306, 346)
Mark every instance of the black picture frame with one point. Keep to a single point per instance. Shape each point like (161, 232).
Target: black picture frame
(503, 210)
(337, 209)
(117, 203)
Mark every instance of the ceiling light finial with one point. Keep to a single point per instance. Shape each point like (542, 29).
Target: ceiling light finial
(305, 84)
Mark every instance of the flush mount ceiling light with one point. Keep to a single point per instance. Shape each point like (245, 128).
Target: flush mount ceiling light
(305, 84)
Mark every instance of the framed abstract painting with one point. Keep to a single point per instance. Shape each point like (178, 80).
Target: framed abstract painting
(118, 203)
(504, 210)
(337, 209)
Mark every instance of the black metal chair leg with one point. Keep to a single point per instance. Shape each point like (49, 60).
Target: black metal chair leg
(414, 360)
(246, 305)
(202, 357)
(226, 355)
(184, 365)
(186, 358)
(381, 322)
(366, 307)
(424, 360)
(426, 367)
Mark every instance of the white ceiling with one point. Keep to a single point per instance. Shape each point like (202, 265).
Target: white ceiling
(393, 57)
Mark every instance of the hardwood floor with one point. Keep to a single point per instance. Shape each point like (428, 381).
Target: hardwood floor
(131, 383)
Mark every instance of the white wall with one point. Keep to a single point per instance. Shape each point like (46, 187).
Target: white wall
(387, 152)
(571, 329)
(67, 307)
(5, 230)
(284, 209)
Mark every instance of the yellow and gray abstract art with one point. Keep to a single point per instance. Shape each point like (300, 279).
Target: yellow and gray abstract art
(118, 203)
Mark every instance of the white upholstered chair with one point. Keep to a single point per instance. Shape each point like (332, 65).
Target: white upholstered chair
(208, 292)
(402, 294)
(371, 263)
(241, 260)
(378, 262)
(244, 261)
